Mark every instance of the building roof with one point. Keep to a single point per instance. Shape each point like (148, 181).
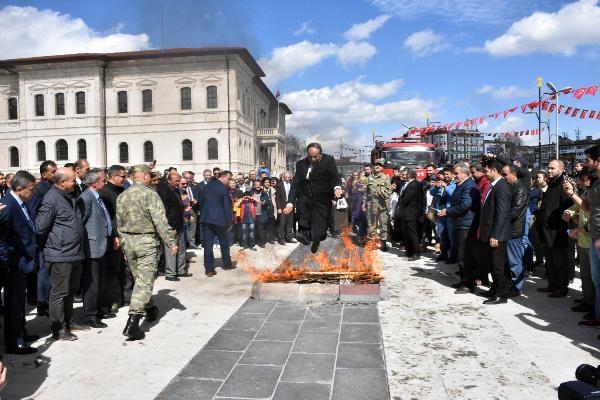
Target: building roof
(137, 55)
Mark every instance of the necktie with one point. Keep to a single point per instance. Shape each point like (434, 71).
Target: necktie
(106, 216)
(26, 212)
(190, 195)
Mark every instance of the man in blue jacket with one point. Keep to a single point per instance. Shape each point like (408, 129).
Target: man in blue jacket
(444, 224)
(464, 211)
(216, 216)
(18, 252)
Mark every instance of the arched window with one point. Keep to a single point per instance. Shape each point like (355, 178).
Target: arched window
(12, 108)
(123, 153)
(81, 148)
(211, 97)
(213, 149)
(186, 98)
(148, 151)
(147, 100)
(41, 150)
(187, 153)
(59, 103)
(80, 102)
(122, 101)
(62, 150)
(39, 105)
(14, 157)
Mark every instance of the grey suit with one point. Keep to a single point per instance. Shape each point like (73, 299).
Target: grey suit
(96, 233)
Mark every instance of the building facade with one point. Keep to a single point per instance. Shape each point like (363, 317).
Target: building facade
(188, 108)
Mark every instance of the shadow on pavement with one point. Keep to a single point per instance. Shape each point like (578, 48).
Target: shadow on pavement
(165, 303)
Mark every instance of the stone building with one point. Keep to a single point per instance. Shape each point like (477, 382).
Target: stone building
(189, 108)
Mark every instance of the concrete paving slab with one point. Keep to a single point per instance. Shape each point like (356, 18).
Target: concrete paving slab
(284, 331)
(267, 352)
(362, 315)
(309, 368)
(360, 355)
(316, 342)
(361, 333)
(211, 364)
(302, 391)
(360, 384)
(230, 340)
(251, 381)
(190, 389)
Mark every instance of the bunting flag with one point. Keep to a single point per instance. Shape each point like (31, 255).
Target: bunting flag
(592, 90)
(551, 108)
(583, 114)
(578, 94)
(575, 111)
(560, 108)
(568, 112)
(592, 114)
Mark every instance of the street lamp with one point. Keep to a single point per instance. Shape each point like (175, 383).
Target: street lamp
(556, 94)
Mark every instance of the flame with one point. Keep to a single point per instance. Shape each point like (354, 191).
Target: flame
(350, 261)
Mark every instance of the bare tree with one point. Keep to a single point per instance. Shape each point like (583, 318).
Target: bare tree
(294, 150)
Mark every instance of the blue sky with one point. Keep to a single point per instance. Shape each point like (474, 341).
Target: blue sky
(346, 67)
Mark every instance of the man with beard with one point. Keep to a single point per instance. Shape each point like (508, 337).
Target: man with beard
(314, 185)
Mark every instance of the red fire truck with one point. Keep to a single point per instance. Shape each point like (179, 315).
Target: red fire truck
(404, 152)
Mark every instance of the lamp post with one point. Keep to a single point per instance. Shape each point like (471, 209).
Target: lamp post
(539, 82)
(556, 94)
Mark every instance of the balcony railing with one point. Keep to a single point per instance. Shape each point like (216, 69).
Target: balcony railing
(268, 132)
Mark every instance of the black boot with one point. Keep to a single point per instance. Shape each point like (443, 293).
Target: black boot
(151, 313)
(132, 328)
(384, 246)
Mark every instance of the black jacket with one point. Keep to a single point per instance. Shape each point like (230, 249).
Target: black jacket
(109, 196)
(38, 195)
(323, 178)
(171, 199)
(410, 203)
(552, 228)
(495, 213)
(518, 209)
(59, 228)
(465, 205)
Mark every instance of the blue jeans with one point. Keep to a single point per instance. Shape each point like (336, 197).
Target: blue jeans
(514, 250)
(445, 230)
(247, 235)
(595, 268)
(527, 246)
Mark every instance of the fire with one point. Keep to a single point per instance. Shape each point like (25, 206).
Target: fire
(349, 263)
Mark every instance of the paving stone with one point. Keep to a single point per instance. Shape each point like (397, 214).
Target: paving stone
(211, 364)
(266, 352)
(311, 368)
(251, 381)
(361, 315)
(316, 342)
(284, 331)
(302, 391)
(360, 384)
(360, 355)
(252, 306)
(322, 325)
(361, 333)
(190, 389)
(230, 340)
(287, 314)
(244, 323)
(317, 316)
(331, 308)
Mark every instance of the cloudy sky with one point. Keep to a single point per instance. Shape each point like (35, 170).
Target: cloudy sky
(347, 67)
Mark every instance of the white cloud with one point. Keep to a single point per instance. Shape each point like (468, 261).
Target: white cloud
(504, 92)
(305, 28)
(562, 32)
(425, 42)
(35, 32)
(356, 53)
(363, 30)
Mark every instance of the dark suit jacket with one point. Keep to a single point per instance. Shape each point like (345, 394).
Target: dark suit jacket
(281, 199)
(171, 199)
(553, 230)
(36, 200)
(495, 213)
(109, 195)
(323, 178)
(215, 204)
(95, 225)
(78, 190)
(18, 240)
(410, 204)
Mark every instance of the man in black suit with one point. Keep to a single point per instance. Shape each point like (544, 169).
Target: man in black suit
(409, 212)
(81, 168)
(315, 184)
(175, 265)
(18, 253)
(198, 193)
(494, 231)
(285, 221)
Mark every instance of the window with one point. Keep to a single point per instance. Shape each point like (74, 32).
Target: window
(14, 157)
(211, 97)
(80, 102)
(122, 100)
(213, 149)
(12, 108)
(41, 150)
(148, 151)
(81, 148)
(62, 150)
(146, 100)
(59, 100)
(186, 150)
(186, 98)
(123, 153)
(39, 105)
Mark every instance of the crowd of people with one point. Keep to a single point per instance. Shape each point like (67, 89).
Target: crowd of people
(101, 236)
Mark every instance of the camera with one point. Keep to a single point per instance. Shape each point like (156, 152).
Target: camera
(586, 387)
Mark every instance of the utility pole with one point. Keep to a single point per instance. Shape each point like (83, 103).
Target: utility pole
(539, 82)
(577, 134)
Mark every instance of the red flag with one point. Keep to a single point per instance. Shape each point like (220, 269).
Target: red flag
(481, 119)
(533, 104)
(496, 115)
(592, 90)
(598, 115)
(583, 114)
(578, 94)
(551, 108)
(545, 105)
(458, 124)
(523, 108)
(560, 108)
(568, 112)
(575, 111)
(592, 114)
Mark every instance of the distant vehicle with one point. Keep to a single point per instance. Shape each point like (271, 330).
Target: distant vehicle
(404, 152)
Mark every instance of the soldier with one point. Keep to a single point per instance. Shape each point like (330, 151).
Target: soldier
(140, 218)
(378, 193)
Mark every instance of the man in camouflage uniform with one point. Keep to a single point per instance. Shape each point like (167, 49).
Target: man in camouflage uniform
(140, 218)
(378, 194)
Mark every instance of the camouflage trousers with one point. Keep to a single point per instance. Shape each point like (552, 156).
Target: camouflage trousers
(141, 252)
(378, 217)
